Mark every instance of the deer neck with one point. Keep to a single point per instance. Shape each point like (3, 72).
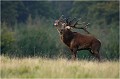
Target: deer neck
(67, 37)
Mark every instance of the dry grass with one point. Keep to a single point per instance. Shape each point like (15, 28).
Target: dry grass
(59, 68)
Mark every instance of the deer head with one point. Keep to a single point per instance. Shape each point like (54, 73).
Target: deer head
(61, 25)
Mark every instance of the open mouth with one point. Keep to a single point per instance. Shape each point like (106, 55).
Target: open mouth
(55, 24)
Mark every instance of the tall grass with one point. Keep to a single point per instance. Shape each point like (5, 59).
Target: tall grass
(59, 68)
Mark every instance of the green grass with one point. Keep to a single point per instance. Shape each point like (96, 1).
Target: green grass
(57, 68)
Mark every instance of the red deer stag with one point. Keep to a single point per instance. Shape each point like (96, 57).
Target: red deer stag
(76, 41)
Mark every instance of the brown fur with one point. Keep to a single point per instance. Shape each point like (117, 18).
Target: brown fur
(76, 41)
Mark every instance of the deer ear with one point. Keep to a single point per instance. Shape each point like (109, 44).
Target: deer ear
(68, 27)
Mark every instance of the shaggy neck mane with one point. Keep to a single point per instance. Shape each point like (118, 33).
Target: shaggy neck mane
(67, 36)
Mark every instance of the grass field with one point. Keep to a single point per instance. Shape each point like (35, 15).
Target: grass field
(57, 68)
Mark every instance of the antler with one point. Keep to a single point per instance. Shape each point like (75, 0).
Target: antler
(76, 23)
(61, 17)
(67, 20)
(84, 26)
(70, 22)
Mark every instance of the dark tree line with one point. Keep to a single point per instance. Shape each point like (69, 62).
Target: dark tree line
(18, 11)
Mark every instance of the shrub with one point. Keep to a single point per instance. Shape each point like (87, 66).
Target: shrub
(7, 40)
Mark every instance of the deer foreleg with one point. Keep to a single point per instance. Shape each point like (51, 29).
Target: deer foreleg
(74, 52)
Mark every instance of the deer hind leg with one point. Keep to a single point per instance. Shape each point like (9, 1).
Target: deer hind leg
(95, 52)
(74, 52)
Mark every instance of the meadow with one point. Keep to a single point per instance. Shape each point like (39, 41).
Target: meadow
(37, 67)
(31, 46)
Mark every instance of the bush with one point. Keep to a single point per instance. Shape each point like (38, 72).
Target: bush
(7, 40)
(40, 39)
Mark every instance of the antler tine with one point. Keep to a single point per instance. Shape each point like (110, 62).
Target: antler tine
(72, 20)
(84, 25)
(67, 20)
(88, 24)
(76, 22)
(63, 20)
(61, 17)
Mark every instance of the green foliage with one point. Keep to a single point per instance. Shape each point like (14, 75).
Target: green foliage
(9, 11)
(33, 33)
(97, 10)
(19, 11)
(111, 47)
(102, 12)
(41, 40)
(109, 38)
(7, 40)
(34, 41)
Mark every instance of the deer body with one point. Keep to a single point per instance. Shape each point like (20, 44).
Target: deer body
(77, 41)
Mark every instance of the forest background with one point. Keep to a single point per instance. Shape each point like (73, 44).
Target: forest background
(27, 27)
